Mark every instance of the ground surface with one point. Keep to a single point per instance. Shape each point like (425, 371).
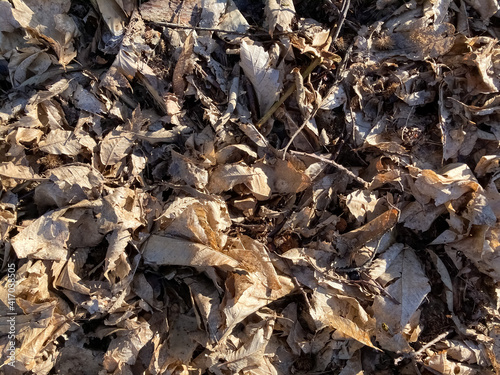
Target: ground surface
(277, 187)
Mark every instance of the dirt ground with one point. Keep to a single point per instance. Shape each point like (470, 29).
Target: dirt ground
(249, 187)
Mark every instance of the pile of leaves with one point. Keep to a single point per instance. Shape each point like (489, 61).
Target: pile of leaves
(247, 187)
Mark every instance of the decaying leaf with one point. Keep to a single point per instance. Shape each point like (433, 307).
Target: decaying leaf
(115, 146)
(229, 176)
(50, 23)
(60, 142)
(238, 187)
(409, 287)
(279, 14)
(265, 79)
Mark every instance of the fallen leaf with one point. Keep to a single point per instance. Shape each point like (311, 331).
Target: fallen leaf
(407, 284)
(265, 80)
(279, 14)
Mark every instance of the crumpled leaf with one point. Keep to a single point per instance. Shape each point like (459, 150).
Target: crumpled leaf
(454, 181)
(124, 349)
(331, 312)
(360, 203)
(184, 169)
(117, 265)
(44, 238)
(229, 176)
(283, 177)
(69, 184)
(279, 14)
(49, 22)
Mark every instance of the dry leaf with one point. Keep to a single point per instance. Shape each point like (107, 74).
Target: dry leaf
(49, 22)
(229, 176)
(44, 238)
(265, 80)
(61, 142)
(115, 146)
(408, 285)
(279, 14)
(161, 250)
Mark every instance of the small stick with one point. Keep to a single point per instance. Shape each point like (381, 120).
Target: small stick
(343, 14)
(178, 26)
(336, 165)
(197, 28)
(288, 92)
(430, 343)
(297, 132)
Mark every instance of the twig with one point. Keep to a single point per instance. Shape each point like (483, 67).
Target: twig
(197, 28)
(415, 355)
(288, 92)
(297, 132)
(336, 165)
(343, 14)
(430, 343)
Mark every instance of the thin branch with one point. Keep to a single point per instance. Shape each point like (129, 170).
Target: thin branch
(430, 343)
(299, 130)
(343, 14)
(197, 28)
(335, 164)
(288, 92)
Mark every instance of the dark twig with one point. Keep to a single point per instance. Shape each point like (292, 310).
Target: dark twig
(335, 164)
(343, 14)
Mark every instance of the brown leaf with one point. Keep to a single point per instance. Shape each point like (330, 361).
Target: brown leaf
(60, 142)
(49, 22)
(115, 146)
(226, 177)
(161, 250)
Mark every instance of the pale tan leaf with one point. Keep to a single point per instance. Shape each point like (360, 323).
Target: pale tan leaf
(113, 15)
(185, 169)
(117, 264)
(60, 142)
(69, 184)
(265, 80)
(125, 348)
(45, 238)
(48, 20)
(68, 278)
(360, 203)
(226, 177)
(233, 20)
(279, 14)
(251, 353)
(335, 97)
(161, 250)
(331, 312)
(206, 298)
(115, 146)
(177, 11)
(283, 177)
(247, 294)
(409, 287)
(373, 229)
(9, 169)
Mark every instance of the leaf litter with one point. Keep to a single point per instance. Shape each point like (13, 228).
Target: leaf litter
(237, 187)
